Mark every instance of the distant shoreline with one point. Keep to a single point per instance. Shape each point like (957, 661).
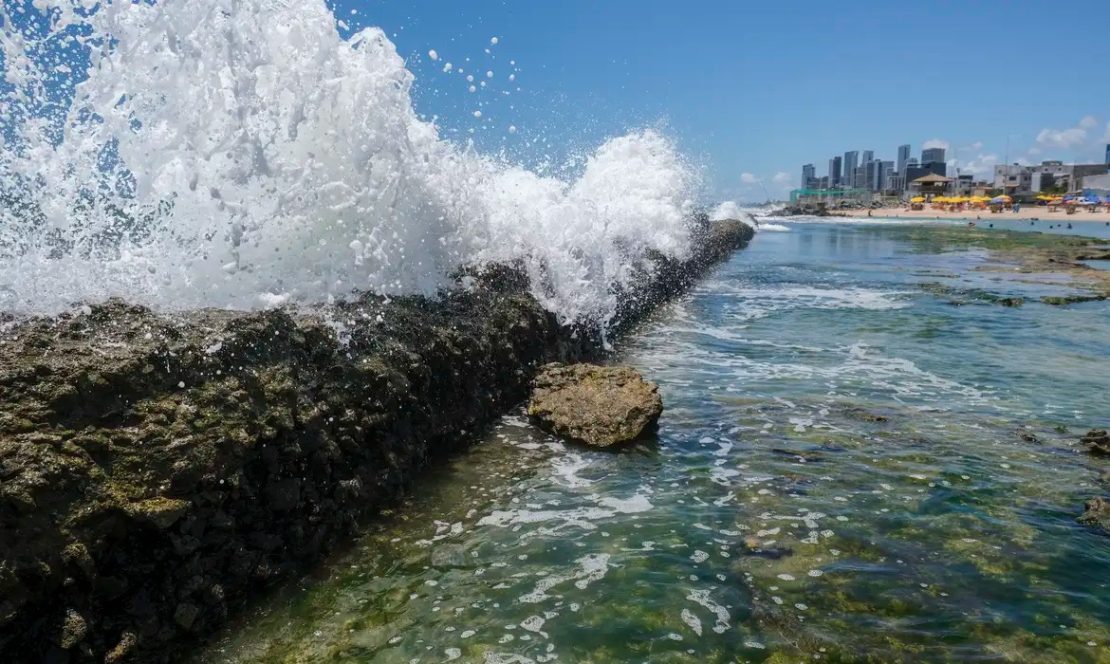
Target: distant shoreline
(1031, 213)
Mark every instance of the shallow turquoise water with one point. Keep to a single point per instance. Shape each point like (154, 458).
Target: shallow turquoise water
(850, 467)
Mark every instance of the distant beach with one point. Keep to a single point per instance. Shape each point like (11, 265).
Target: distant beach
(1034, 212)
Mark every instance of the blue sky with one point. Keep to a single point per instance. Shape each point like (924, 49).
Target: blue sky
(760, 88)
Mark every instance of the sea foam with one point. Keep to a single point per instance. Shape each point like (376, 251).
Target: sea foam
(241, 153)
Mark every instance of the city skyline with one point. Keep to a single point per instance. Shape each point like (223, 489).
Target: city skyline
(861, 176)
(1086, 142)
(737, 86)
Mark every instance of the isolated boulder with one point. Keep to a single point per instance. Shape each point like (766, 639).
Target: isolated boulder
(597, 405)
(1097, 441)
(1096, 513)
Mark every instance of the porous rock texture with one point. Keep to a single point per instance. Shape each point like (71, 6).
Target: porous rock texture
(596, 405)
(158, 469)
(1097, 441)
(1096, 514)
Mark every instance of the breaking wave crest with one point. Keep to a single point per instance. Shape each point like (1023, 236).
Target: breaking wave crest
(240, 153)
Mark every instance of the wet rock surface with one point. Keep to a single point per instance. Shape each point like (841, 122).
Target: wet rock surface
(1096, 514)
(1097, 441)
(156, 470)
(599, 406)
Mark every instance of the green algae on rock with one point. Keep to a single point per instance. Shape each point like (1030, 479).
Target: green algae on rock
(1096, 513)
(600, 406)
(158, 469)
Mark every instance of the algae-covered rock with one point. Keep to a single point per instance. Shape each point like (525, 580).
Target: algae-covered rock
(73, 631)
(159, 512)
(1097, 441)
(1096, 513)
(600, 406)
(158, 469)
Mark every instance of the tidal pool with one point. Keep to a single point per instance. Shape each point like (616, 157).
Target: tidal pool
(852, 466)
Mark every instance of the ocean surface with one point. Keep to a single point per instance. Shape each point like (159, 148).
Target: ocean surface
(850, 467)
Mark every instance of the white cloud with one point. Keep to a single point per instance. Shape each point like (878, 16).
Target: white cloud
(781, 178)
(748, 178)
(1070, 138)
(935, 143)
(1062, 138)
(981, 166)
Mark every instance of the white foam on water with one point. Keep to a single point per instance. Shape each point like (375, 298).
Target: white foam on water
(565, 470)
(590, 568)
(583, 518)
(775, 228)
(692, 621)
(240, 153)
(760, 302)
(701, 597)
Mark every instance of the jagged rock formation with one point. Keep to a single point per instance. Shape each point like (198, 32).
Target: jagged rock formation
(156, 470)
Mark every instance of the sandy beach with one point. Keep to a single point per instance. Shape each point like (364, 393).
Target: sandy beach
(1027, 213)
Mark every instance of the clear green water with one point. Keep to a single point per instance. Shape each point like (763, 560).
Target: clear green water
(850, 468)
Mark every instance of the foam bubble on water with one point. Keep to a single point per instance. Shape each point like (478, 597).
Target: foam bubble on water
(565, 471)
(591, 568)
(633, 505)
(583, 518)
(227, 152)
(534, 624)
(760, 302)
(702, 598)
(692, 621)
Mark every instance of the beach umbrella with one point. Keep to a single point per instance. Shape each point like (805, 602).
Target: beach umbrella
(917, 199)
(998, 200)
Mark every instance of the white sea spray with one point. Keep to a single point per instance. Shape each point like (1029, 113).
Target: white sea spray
(241, 153)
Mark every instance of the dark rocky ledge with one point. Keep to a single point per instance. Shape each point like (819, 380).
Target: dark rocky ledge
(156, 470)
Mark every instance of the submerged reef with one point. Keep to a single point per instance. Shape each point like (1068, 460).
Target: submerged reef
(158, 469)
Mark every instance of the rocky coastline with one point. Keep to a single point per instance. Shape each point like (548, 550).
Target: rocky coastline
(156, 470)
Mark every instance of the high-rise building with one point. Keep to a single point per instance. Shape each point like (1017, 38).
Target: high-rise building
(904, 157)
(834, 170)
(873, 174)
(930, 155)
(886, 176)
(868, 156)
(859, 177)
(851, 161)
(1108, 154)
(809, 173)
